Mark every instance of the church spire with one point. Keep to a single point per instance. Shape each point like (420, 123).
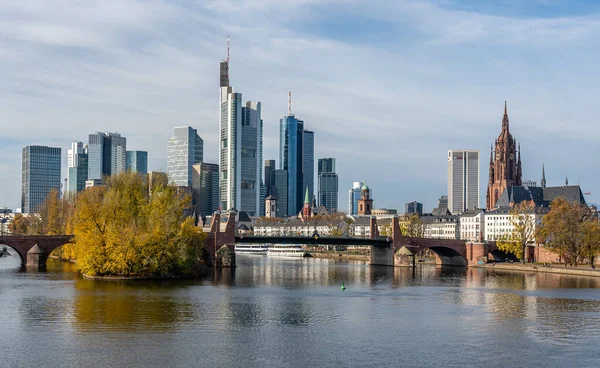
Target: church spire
(505, 118)
(566, 180)
(543, 181)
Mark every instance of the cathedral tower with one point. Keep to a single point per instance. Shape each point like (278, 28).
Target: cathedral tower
(505, 164)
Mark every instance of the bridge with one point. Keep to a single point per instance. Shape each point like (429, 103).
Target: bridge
(219, 247)
(34, 250)
(395, 250)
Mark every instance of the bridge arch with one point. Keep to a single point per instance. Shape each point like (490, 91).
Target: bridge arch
(448, 256)
(21, 256)
(23, 244)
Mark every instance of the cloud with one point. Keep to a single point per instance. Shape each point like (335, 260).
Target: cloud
(388, 89)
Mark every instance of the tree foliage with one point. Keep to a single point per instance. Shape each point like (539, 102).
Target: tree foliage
(121, 230)
(570, 229)
(523, 221)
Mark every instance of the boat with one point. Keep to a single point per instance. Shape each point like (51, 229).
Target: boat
(4, 252)
(289, 250)
(251, 248)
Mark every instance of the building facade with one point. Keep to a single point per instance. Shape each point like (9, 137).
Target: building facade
(499, 222)
(308, 162)
(279, 189)
(365, 203)
(328, 184)
(137, 161)
(353, 197)
(40, 175)
(472, 225)
(413, 207)
(463, 180)
(442, 227)
(205, 188)
(184, 149)
(505, 164)
(78, 172)
(240, 149)
(291, 159)
(269, 165)
(106, 154)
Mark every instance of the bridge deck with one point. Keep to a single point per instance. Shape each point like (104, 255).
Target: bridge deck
(253, 239)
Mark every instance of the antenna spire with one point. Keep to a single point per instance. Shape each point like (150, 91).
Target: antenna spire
(289, 103)
(227, 49)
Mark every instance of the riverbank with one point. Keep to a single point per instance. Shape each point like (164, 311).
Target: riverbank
(540, 268)
(341, 255)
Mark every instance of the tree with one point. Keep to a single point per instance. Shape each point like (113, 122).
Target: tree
(571, 230)
(412, 226)
(523, 221)
(20, 225)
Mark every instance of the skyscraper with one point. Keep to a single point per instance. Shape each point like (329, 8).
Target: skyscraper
(279, 189)
(328, 184)
(78, 167)
(353, 197)
(205, 186)
(240, 149)
(106, 154)
(413, 207)
(137, 161)
(505, 164)
(463, 180)
(40, 175)
(269, 165)
(184, 149)
(308, 163)
(291, 159)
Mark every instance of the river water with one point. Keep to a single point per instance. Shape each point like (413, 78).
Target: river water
(292, 313)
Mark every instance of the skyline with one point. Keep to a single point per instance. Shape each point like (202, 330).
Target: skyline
(141, 69)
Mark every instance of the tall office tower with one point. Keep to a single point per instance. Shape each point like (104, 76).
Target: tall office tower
(184, 149)
(308, 163)
(106, 154)
(291, 159)
(240, 148)
(413, 207)
(353, 197)
(137, 161)
(269, 165)
(505, 164)
(205, 187)
(41, 174)
(279, 190)
(463, 180)
(76, 148)
(78, 169)
(328, 184)
(118, 153)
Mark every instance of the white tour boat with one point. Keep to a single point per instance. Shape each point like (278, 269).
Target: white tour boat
(251, 248)
(287, 250)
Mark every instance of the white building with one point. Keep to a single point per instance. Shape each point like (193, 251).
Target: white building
(463, 180)
(441, 227)
(499, 224)
(472, 225)
(353, 197)
(240, 149)
(184, 150)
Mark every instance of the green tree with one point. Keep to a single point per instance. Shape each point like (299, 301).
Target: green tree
(412, 226)
(524, 230)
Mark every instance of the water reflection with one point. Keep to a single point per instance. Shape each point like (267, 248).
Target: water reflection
(254, 313)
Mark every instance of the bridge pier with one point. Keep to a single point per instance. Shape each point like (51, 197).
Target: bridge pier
(219, 247)
(36, 258)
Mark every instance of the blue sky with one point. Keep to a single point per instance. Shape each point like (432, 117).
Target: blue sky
(387, 86)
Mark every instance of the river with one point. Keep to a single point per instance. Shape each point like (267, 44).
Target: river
(292, 313)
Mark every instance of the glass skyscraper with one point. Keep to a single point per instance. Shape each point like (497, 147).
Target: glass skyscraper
(463, 180)
(354, 195)
(78, 173)
(205, 187)
(106, 154)
(240, 149)
(40, 174)
(308, 163)
(137, 161)
(291, 159)
(328, 184)
(279, 190)
(184, 149)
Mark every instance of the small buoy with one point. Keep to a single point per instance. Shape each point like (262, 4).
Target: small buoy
(343, 287)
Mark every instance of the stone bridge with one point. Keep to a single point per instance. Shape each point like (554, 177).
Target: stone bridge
(34, 250)
(397, 250)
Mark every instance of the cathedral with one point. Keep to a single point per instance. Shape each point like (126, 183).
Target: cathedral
(505, 164)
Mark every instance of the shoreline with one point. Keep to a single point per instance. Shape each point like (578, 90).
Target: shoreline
(538, 268)
(353, 257)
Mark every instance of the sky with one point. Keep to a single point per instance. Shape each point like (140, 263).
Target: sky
(388, 86)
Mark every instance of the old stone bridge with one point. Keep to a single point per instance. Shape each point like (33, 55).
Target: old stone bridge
(395, 250)
(34, 250)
